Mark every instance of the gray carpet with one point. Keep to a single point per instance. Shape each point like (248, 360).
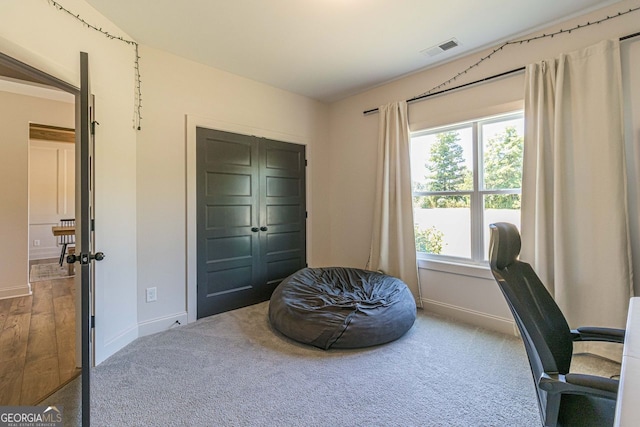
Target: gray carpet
(232, 369)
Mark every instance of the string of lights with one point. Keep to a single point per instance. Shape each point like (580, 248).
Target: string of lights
(437, 90)
(138, 94)
(519, 42)
(137, 119)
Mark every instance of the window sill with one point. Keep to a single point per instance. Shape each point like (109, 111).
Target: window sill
(481, 271)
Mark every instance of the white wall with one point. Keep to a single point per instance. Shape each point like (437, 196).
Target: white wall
(141, 177)
(179, 93)
(16, 111)
(354, 138)
(51, 193)
(37, 33)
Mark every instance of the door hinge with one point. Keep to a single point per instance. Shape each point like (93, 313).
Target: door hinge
(306, 214)
(306, 163)
(93, 224)
(93, 321)
(93, 127)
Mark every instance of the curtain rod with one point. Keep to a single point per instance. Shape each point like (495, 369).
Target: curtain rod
(496, 76)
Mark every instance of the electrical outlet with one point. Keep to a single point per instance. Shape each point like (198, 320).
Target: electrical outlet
(36, 243)
(152, 294)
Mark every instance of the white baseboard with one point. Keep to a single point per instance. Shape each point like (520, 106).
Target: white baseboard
(15, 291)
(44, 253)
(113, 345)
(607, 350)
(160, 324)
(484, 320)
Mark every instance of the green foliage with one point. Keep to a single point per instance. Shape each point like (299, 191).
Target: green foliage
(502, 201)
(429, 240)
(433, 202)
(503, 168)
(448, 173)
(446, 164)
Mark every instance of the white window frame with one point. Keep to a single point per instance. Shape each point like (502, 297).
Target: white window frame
(449, 263)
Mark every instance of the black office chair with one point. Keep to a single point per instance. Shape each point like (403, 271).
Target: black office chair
(66, 239)
(564, 399)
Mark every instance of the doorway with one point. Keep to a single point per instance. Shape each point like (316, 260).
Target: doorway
(37, 320)
(15, 213)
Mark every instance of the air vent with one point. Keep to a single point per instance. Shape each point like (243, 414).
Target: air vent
(441, 47)
(449, 44)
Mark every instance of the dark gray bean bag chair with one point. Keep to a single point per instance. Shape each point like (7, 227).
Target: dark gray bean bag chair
(342, 307)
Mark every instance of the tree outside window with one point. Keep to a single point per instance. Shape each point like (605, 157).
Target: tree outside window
(503, 168)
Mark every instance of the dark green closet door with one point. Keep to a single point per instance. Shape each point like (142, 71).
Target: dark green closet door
(251, 218)
(227, 197)
(282, 210)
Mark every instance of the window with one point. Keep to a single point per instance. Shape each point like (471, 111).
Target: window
(465, 177)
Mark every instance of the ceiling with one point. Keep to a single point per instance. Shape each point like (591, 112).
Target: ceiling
(329, 49)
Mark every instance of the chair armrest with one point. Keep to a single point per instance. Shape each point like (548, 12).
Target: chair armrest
(590, 333)
(579, 384)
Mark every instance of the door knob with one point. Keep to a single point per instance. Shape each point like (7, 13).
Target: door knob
(263, 228)
(99, 256)
(82, 258)
(255, 229)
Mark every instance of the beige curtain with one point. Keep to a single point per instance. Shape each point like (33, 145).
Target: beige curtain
(393, 247)
(574, 206)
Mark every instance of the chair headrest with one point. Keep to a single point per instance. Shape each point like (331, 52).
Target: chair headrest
(505, 244)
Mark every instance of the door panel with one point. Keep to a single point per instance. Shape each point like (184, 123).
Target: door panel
(227, 185)
(84, 230)
(283, 209)
(228, 216)
(251, 218)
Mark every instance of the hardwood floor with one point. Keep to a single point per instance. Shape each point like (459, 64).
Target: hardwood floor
(37, 342)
